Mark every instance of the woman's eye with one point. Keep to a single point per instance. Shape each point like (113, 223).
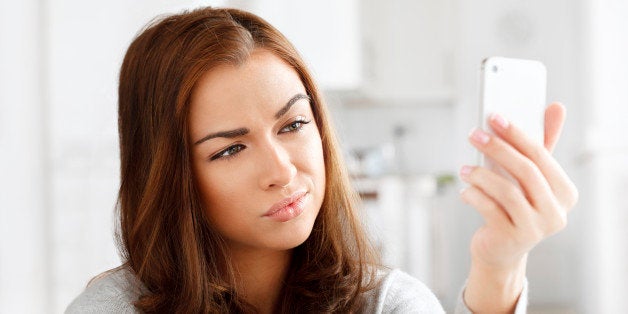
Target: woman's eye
(294, 126)
(229, 152)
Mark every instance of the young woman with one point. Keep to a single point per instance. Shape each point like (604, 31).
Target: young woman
(234, 197)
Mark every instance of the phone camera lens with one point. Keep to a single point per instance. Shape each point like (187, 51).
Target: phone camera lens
(495, 69)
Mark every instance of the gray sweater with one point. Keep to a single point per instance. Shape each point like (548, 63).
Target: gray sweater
(398, 292)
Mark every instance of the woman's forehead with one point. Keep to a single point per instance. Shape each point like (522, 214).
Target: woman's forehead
(258, 87)
(263, 78)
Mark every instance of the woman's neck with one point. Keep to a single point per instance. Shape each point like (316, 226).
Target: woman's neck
(260, 276)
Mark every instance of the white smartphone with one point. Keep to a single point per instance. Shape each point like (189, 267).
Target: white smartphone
(515, 89)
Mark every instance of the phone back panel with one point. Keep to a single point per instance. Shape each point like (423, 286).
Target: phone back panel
(514, 88)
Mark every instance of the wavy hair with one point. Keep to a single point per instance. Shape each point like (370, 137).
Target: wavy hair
(163, 235)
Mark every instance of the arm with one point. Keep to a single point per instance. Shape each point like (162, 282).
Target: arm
(516, 218)
(494, 291)
(521, 307)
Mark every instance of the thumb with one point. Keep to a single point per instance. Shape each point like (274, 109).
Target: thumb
(554, 120)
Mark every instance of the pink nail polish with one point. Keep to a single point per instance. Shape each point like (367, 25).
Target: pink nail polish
(500, 121)
(479, 136)
(465, 171)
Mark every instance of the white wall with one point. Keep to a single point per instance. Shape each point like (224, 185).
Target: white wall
(605, 156)
(59, 62)
(23, 148)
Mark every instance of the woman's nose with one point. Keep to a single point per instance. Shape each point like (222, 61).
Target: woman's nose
(277, 168)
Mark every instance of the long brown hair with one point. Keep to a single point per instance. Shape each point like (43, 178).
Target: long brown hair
(163, 235)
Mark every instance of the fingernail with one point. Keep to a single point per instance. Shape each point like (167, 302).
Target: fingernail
(479, 136)
(465, 171)
(499, 120)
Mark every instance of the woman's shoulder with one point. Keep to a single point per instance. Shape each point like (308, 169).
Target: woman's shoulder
(398, 292)
(113, 291)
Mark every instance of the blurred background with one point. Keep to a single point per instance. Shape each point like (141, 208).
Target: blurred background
(401, 78)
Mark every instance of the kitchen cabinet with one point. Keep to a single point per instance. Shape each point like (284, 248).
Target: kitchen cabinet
(399, 217)
(380, 52)
(408, 51)
(325, 32)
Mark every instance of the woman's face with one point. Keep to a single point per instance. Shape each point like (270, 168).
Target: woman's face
(256, 153)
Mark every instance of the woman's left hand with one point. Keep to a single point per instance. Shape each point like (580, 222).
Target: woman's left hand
(516, 218)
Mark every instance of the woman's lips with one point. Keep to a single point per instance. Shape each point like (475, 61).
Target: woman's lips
(288, 208)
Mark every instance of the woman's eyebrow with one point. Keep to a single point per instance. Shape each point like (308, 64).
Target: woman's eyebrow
(291, 102)
(244, 131)
(227, 134)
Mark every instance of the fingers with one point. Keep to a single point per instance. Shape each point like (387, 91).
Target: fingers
(510, 135)
(519, 166)
(493, 213)
(501, 204)
(496, 198)
(518, 216)
(554, 120)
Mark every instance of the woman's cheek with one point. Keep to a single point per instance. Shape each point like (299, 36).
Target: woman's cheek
(315, 159)
(229, 180)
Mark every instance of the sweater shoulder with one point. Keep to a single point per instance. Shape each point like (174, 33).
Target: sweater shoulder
(398, 292)
(111, 292)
